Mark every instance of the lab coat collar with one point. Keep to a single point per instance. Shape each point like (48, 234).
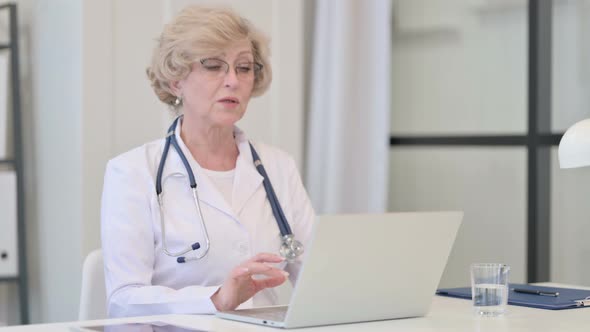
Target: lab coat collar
(247, 180)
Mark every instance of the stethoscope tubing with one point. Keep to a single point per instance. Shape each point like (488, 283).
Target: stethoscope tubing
(272, 197)
(283, 225)
(171, 140)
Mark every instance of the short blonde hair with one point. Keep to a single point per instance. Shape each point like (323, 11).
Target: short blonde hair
(199, 31)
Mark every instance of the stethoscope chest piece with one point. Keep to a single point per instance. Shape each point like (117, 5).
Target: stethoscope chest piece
(290, 248)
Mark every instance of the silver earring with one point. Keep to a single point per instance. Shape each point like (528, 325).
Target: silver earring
(178, 101)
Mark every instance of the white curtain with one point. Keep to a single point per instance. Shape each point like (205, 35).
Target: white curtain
(347, 162)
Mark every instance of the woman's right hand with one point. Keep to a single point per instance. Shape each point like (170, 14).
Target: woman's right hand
(240, 284)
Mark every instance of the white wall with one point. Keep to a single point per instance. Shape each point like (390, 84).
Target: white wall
(88, 99)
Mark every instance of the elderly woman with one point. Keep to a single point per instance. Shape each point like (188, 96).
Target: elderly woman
(203, 219)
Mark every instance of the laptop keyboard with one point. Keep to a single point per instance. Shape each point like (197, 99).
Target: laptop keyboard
(276, 314)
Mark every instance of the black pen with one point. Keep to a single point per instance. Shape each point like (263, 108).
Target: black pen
(535, 292)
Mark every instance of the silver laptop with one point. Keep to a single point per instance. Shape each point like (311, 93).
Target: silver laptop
(365, 267)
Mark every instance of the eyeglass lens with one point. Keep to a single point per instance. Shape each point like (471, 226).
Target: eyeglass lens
(217, 68)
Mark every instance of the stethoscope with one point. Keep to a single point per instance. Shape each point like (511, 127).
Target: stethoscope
(290, 247)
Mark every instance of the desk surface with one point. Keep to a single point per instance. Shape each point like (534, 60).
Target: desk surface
(446, 314)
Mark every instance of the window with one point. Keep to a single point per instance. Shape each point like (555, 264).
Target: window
(480, 100)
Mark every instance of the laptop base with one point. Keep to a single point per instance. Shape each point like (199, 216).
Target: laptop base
(269, 316)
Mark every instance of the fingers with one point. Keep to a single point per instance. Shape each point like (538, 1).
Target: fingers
(267, 257)
(257, 265)
(261, 284)
(269, 278)
(251, 268)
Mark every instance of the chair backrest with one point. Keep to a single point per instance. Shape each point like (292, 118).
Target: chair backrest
(93, 295)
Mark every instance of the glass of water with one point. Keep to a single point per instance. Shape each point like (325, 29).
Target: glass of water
(489, 288)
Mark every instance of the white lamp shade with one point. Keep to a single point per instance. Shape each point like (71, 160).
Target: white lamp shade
(574, 147)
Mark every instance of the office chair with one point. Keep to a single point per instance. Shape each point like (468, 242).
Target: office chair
(93, 295)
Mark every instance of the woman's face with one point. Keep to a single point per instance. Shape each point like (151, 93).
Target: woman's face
(219, 86)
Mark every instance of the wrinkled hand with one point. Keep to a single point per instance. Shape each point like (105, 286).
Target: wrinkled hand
(240, 286)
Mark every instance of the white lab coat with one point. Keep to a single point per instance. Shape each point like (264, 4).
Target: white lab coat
(140, 278)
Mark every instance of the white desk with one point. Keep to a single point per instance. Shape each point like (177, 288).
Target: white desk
(446, 314)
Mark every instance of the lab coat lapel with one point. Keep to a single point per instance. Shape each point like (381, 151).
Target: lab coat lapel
(247, 180)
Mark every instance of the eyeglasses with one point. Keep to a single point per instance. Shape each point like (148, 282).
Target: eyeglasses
(216, 68)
